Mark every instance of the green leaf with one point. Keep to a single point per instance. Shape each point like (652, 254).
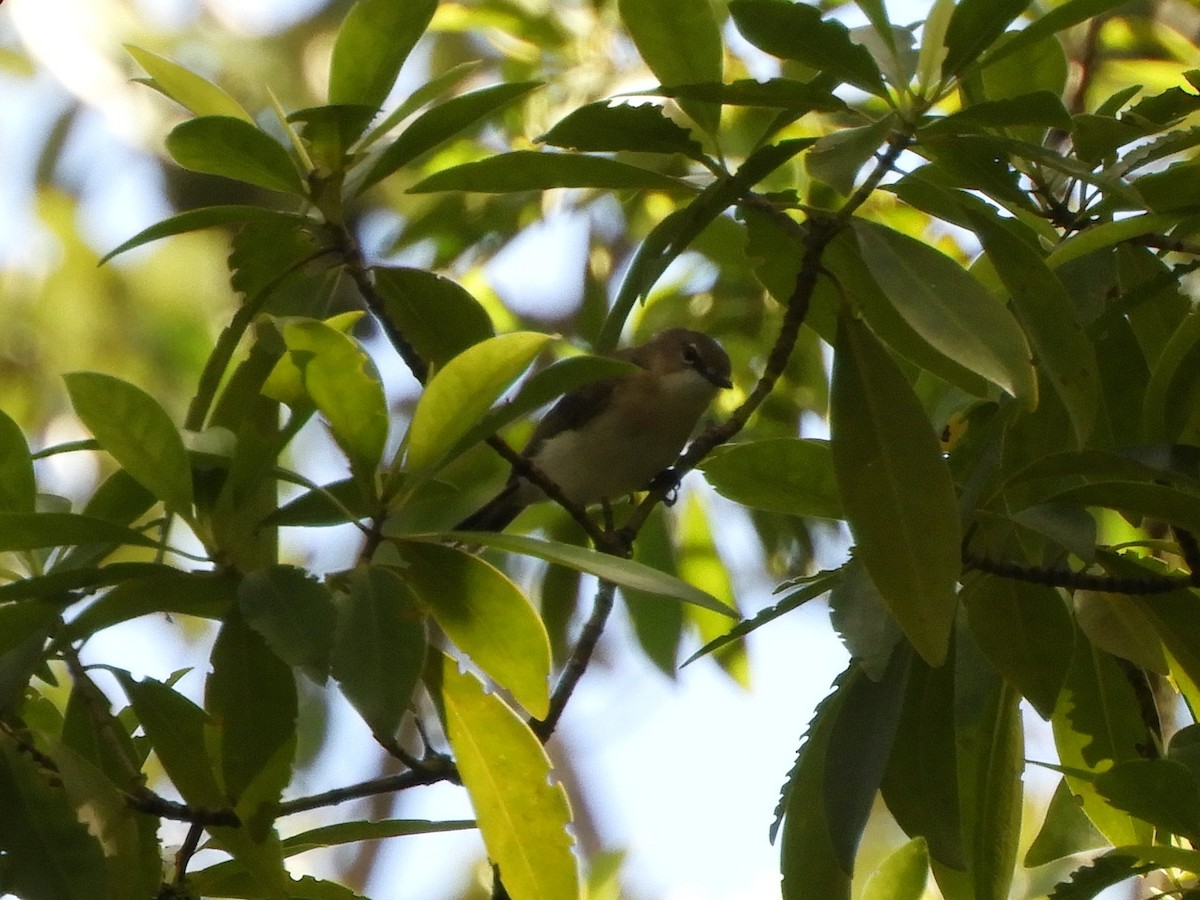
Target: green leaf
(32, 531)
(623, 572)
(437, 316)
(949, 308)
(1065, 354)
(458, 396)
(797, 31)
(779, 93)
(604, 128)
(1119, 627)
(1105, 235)
(379, 647)
(197, 95)
(250, 696)
(221, 145)
(353, 832)
(1087, 882)
(1098, 723)
(902, 875)
(343, 382)
(486, 616)
(130, 425)
(175, 728)
(48, 852)
(439, 124)
(523, 815)
(294, 613)
(975, 25)
(1057, 19)
(1065, 831)
(1022, 629)
(1043, 108)
(18, 489)
(205, 594)
(862, 621)
(896, 489)
(991, 758)
(198, 219)
(529, 170)
(681, 43)
(19, 622)
(837, 158)
(830, 790)
(1159, 791)
(330, 131)
(374, 41)
(784, 475)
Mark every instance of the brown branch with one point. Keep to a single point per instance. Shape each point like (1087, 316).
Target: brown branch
(433, 771)
(1148, 584)
(186, 851)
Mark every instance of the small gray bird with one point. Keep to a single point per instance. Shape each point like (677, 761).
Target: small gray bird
(610, 438)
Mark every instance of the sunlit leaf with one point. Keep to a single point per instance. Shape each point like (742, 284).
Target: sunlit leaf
(458, 395)
(523, 815)
(130, 424)
(681, 43)
(196, 94)
(1065, 831)
(233, 148)
(375, 38)
(486, 616)
(902, 875)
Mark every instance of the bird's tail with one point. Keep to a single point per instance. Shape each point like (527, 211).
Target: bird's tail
(496, 514)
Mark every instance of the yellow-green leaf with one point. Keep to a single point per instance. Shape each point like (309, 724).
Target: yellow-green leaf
(522, 815)
(185, 87)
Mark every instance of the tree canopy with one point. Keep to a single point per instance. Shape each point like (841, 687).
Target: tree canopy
(950, 257)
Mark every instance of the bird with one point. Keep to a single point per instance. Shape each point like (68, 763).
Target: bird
(612, 437)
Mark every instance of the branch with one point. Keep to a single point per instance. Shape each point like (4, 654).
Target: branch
(1072, 580)
(433, 771)
(577, 664)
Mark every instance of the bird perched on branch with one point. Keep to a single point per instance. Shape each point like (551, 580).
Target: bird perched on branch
(612, 437)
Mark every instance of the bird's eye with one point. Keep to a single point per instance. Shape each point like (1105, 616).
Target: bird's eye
(691, 355)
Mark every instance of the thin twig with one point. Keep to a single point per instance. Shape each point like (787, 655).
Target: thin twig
(577, 663)
(186, 852)
(433, 771)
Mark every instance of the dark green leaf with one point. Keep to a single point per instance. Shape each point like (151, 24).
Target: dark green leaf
(797, 31)
(31, 531)
(837, 158)
(375, 38)
(439, 124)
(48, 853)
(777, 474)
(221, 145)
(175, 728)
(780, 93)
(205, 594)
(974, 27)
(437, 316)
(18, 490)
(197, 219)
(1064, 353)
(325, 506)
(1022, 629)
(1177, 189)
(1159, 791)
(896, 489)
(1043, 108)
(681, 43)
(295, 613)
(19, 622)
(1057, 19)
(1087, 882)
(528, 170)
(379, 647)
(329, 131)
(604, 128)
(861, 619)
(352, 832)
(250, 696)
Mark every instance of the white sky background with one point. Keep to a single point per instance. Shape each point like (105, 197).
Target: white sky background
(682, 775)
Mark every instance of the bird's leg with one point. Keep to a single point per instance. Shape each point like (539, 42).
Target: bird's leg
(667, 481)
